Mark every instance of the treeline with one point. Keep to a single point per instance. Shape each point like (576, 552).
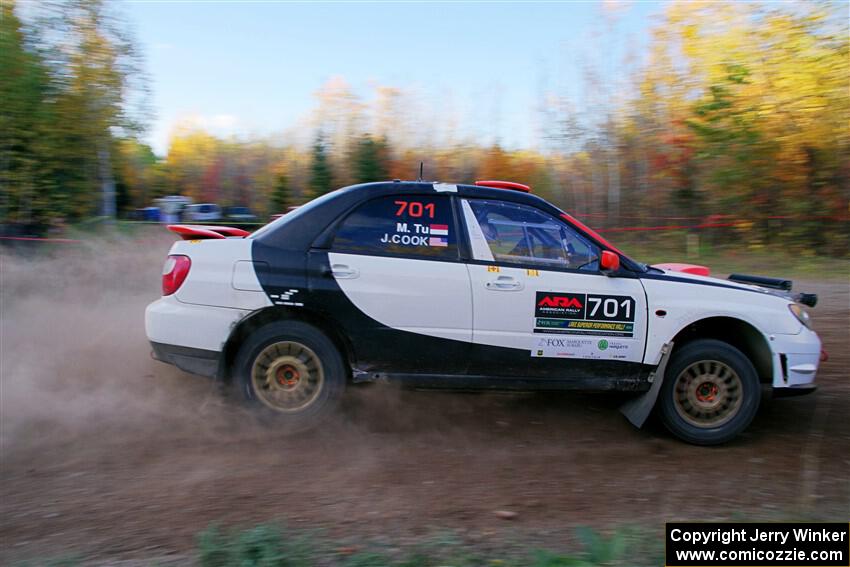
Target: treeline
(73, 93)
(738, 112)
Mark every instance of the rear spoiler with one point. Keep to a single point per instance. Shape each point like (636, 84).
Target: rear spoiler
(206, 232)
(810, 299)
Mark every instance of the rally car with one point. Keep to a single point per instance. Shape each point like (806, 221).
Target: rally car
(472, 286)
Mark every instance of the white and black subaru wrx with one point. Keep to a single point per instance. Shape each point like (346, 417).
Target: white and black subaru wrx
(465, 286)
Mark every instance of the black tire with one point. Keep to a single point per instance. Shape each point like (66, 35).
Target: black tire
(283, 361)
(711, 392)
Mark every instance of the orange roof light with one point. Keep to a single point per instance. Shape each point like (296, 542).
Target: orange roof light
(505, 185)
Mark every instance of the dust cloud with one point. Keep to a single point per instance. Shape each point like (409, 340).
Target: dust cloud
(76, 364)
(75, 359)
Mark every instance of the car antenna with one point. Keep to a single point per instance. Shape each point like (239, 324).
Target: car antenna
(421, 168)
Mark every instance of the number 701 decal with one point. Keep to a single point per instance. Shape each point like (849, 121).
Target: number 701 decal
(414, 209)
(613, 308)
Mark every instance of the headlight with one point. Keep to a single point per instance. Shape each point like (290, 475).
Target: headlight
(801, 314)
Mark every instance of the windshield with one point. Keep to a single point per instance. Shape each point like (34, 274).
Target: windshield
(601, 239)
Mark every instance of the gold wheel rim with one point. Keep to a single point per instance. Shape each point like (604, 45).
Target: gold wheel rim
(708, 393)
(287, 376)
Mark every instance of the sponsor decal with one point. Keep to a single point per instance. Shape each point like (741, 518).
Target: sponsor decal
(493, 268)
(587, 348)
(584, 314)
(532, 273)
(286, 298)
(560, 305)
(445, 187)
(601, 328)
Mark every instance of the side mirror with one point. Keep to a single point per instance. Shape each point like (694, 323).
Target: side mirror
(609, 262)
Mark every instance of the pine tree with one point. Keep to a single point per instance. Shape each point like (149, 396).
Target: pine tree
(370, 160)
(281, 194)
(321, 176)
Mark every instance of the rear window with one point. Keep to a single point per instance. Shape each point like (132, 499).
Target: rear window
(401, 225)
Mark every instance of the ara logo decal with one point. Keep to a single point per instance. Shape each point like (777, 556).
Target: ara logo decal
(560, 305)
(603, 344)
(559, 301)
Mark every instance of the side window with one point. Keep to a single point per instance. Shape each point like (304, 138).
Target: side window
(404, 225)
(512, 233)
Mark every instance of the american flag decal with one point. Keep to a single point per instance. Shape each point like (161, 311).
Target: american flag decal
(438, 241)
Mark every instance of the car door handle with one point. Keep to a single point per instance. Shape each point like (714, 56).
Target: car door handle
(504, 283)
(344, 272)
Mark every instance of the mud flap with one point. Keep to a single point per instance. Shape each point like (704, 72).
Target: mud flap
(638, 409)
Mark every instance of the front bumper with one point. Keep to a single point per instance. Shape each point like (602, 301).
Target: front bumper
(795, 363)
(792, 391)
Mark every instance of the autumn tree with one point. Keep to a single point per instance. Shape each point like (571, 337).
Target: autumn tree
(26, 187)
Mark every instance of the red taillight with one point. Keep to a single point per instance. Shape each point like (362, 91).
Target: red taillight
(174, 273)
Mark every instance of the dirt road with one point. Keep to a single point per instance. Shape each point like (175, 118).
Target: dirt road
(110, 454)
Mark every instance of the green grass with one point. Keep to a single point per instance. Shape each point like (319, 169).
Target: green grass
(734, 257)
(270, 545)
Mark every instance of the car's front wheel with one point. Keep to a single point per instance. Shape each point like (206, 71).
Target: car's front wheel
(711, 392)
(291, 371)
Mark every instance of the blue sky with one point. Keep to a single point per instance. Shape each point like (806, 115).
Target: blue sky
(252, 69)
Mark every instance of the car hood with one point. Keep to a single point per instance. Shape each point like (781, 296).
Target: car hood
(677, 274)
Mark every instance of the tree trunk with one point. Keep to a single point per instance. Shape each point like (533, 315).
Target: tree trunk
(107, 183)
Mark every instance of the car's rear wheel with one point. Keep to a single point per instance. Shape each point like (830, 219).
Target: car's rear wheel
(291, 371)
(710, 394)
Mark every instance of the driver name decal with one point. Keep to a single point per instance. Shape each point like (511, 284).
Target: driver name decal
(418, 234)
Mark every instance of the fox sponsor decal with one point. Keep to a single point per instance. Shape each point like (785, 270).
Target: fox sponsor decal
(588, 348)
(584, 314)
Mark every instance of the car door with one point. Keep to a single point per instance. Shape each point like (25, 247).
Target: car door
(393, 281)
(542, 308)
